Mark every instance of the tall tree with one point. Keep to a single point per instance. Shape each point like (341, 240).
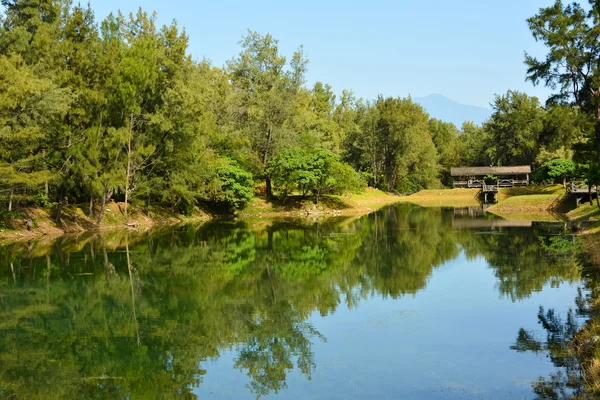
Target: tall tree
(29, 107)
(515, 129)
(268, 86)
(410, 157)
(475, 142)
(571, 67)
(450, 148)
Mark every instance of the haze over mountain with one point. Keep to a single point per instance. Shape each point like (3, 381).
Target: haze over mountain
(448, 110)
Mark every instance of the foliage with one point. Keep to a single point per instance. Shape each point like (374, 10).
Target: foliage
(514, 129)
(570, 33)
(490, 179)
(93, 111)
(320, 172)
(560, 168)
(450, 149)
(231, 185)
(395, 145)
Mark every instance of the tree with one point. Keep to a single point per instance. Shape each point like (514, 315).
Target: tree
(564, 129)
(230, 185)
(409, 154)
(476, 142)
(319, 171)
(29, 106)
(449, 147)
(515, 128)
(560, 168)
(570, 32)
(266, 87)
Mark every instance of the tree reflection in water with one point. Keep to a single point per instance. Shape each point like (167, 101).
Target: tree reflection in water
(127, 315)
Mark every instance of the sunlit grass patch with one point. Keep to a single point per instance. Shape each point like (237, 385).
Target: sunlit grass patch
(534, 202)
(537, 216)
(532, 190)
(445, 197)
(295, 205)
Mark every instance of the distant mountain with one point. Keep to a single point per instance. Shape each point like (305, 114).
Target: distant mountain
(448, 110)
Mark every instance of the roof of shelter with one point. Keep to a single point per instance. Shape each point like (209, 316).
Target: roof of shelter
(482, 171)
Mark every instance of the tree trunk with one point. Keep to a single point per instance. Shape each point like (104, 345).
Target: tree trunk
(61, 203)
(103, 205)
(597, 129)
(46, 191)
(128, 163)
(10, 198)
(269, 185)
(565, 182)
(91, 206)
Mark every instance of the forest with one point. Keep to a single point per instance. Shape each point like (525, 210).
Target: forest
(118, 110)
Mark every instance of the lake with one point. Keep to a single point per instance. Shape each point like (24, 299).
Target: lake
(405, 303)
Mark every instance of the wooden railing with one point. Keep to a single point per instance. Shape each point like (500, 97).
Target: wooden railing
(479, 183)
(580, 187)
(490, 188)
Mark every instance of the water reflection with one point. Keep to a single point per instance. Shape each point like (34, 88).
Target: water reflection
(129, 315)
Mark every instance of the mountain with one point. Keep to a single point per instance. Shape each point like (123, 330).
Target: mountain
(448, 110)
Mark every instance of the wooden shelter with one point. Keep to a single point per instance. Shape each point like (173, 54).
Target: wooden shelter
(474, 177)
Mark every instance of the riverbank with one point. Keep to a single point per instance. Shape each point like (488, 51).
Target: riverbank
(297, 206)
(34, 222)
(29, 223)
(586, 343)
(540, 203)
(521, 199)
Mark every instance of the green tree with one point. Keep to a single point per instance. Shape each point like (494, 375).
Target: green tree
(565, 129)
(409, 154)
(229, 185)
(515, 128)
(449, 147)
(570, 33)
(476, 142)
(319, 171)
(29, 106)
(266, 89)
(560, 168)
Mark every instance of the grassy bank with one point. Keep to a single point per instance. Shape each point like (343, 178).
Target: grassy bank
(587, 341)
(31, 222)
(445, 198)
(541, 202)
(529, 199)
(298, 206)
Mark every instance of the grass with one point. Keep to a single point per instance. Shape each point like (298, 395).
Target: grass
(537, 216)
(445, 198)
(297, 206)
(589, 213)
(75, 220)
(536, 199)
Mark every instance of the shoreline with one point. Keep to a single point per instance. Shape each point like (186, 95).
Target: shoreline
(544, 203)
(75, 221)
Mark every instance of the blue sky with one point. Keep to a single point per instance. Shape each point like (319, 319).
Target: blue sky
(467, 50)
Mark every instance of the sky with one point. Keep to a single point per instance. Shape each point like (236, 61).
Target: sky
(467, 50)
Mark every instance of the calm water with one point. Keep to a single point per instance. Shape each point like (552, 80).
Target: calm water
(406, 303)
